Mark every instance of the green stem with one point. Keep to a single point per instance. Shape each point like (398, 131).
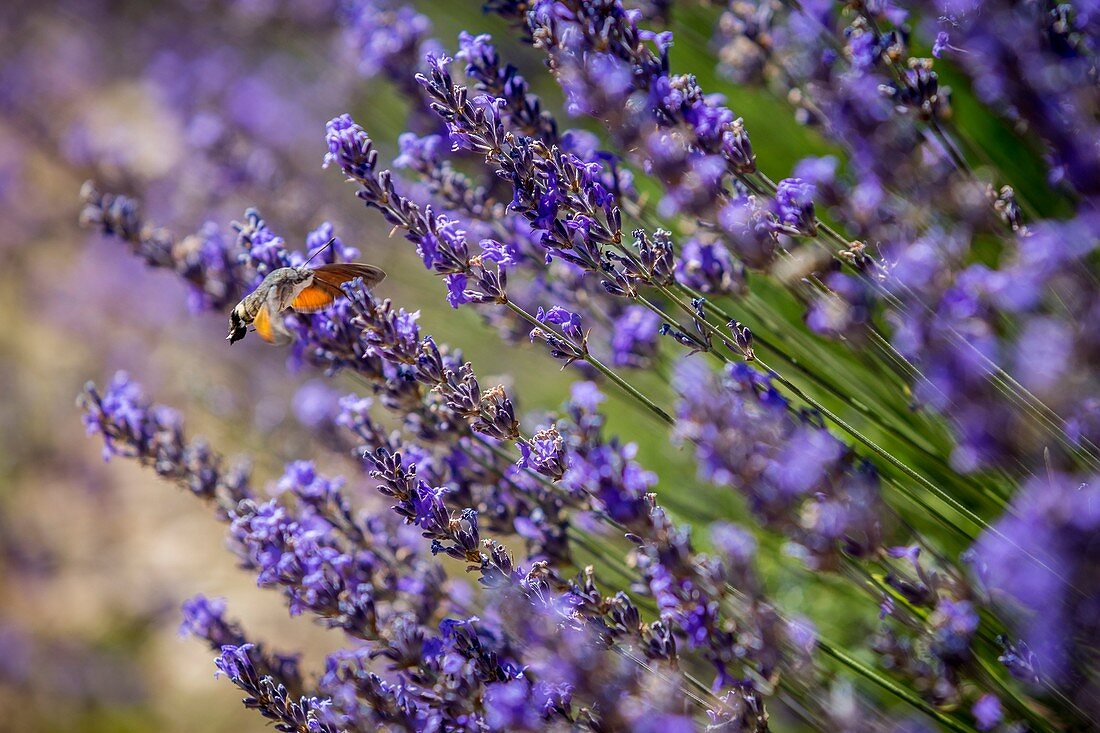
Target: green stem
(890, 686)
(601, 368)
(870, 444)
(983, 665)
(1038, 410)
(999, 498)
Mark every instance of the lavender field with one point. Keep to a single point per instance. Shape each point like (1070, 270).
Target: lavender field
(735, 366)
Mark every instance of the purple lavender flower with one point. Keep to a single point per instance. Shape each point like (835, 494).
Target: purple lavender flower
(207, 262)
(752, 232)
(1051, 518)
(1013, 53)
(456, 290)
(315, 404)
(1020, 661)
(607, 69)
(568, 322)
(794, 201)
(544, 453)
(573, 347)
(270, 696)
(956, 622)
(441, 244)
(634, 337)
(260, 244)
(987, 712)
(205, 618)
(336, 252)
(153, 434)
(348, 146)
(503, 82)
(943, 43)
(418, 151)
(709, 268)
(390, 39)
(796, 476)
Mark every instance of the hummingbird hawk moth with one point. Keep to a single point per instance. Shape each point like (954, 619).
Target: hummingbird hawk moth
(302, 289)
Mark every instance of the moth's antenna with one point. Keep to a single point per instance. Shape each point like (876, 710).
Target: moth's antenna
(323, 248)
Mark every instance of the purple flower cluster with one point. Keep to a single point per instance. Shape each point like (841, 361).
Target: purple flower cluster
(1043, 285)
(1034, 64)
(359, 574)
(389, 38)
(247, 663)
(938, 287)
(386, 350)
(302, 552)
(553, 223)
(576, 216)
(153, 435)
(634, 337)
(218, 270)
(797, 477)
(611, 70)
(908, 191)
(588, 467)
(1055, 517)
(794, 202)
(931, 625)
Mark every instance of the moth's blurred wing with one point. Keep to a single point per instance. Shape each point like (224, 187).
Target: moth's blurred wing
(338, 274)
(315, 298)
(263, 325)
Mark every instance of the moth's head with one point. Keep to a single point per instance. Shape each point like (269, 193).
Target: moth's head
(237, 326)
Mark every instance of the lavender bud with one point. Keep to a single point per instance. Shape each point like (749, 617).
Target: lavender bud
(794, 201)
